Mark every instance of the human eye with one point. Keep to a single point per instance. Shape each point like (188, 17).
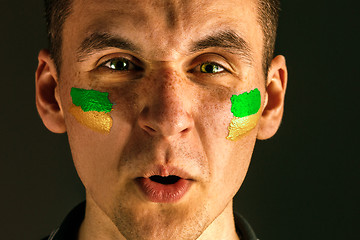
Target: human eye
(119, 64)
(211, 67)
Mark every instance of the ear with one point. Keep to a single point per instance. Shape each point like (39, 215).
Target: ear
(47, 94)
(274, 102)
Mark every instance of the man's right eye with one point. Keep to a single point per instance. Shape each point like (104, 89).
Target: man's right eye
(119, 64)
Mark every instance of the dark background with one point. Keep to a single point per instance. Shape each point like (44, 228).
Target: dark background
(302, 184)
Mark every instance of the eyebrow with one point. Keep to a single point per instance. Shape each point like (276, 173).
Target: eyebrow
(100, 41)
(224, 39)
(228, 40)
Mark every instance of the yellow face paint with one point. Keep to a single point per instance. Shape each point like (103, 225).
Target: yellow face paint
(92, 109)
(245, 108)
(240, 126)
(97, 121)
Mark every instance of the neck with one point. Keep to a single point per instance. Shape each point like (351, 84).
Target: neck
(223, 227)
(98, 226)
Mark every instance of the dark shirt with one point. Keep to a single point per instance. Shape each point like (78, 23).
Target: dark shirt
(69, 228)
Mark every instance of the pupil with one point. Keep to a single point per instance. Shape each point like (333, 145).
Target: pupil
(120, 64)
(209, 68)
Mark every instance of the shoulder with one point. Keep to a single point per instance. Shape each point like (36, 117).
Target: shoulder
(69, 228)
(243, 228)
(52, 235)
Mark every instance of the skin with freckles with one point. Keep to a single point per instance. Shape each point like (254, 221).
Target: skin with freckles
(170, 68)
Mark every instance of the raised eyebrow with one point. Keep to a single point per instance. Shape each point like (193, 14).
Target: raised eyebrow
(101, 41)
(228, 40)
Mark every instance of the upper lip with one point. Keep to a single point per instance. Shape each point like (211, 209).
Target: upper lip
(165, 171)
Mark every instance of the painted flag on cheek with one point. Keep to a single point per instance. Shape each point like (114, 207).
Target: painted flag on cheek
(245, 108)
(92, 109)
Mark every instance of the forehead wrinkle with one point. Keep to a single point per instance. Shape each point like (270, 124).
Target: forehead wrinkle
(171, 16)
(178, 15)
(111, 11)
(114, 18)
(169, 10)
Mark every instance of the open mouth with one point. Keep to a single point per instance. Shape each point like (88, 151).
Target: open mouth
(161, 189)
(171, 179)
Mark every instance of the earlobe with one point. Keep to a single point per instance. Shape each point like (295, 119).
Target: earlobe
(275, 95)
(47, 96)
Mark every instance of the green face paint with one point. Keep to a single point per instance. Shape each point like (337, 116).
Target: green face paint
(245, 108)
(91, 100)
(92, 109)
(246, 104)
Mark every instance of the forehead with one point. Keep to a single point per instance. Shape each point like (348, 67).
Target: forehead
(169, 23)
(173, 12)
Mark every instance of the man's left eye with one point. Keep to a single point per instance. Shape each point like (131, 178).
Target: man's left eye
(210, 67)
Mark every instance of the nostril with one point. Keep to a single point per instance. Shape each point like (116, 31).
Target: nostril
(149, 129)
(185, 130)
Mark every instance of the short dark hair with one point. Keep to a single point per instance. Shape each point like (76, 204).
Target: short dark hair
(56, 12)
(268, 17)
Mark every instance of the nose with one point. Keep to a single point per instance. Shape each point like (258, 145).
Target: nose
(167, 112)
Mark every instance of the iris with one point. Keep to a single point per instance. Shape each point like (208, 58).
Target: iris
(211, 68)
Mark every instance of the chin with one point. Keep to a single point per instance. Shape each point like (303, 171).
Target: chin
(154, 221)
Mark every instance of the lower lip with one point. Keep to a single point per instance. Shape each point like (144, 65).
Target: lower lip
(161, 193)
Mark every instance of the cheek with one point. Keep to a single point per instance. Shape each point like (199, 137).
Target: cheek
(227, 116)
(89, 120)
(228, 160)
(213, 117)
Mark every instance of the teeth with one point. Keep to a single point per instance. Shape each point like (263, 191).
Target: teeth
(171, 179)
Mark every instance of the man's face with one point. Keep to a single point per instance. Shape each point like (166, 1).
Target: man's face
(171, 106)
